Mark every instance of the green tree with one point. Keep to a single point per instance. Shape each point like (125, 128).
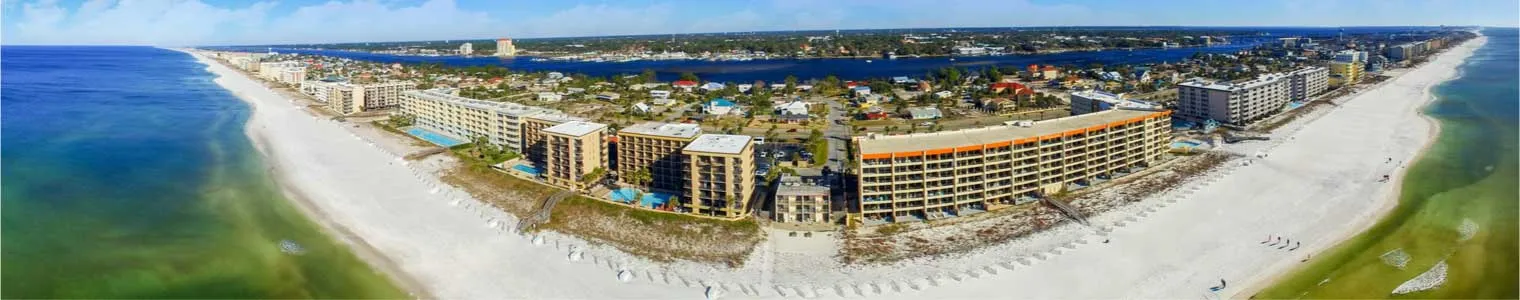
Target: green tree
(791, 83)
(649, 76)
(690, 76)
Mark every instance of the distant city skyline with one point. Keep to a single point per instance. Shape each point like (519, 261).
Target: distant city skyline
(221, 22)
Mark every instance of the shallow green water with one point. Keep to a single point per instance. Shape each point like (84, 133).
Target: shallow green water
(1469, 174)
(127, 174)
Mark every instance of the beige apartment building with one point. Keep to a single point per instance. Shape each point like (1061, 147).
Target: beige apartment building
(347, 98)
(945, 174)
(720, 175)
(575, 152)
(1235, 103)
(440, 110)
(798, 201)
(1306, 83)
(534, 146)
(656, 148)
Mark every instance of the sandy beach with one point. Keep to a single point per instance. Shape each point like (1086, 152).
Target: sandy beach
(1318, 183)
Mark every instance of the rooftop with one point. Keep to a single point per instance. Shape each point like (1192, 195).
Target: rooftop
(576, 128)
(986, 135)
(444, 95)
(719, 143)
(1116, 100)
(800, 189)
(1260, 80)
(685, 131)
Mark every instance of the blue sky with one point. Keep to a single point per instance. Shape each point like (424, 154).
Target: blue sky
(220, 22)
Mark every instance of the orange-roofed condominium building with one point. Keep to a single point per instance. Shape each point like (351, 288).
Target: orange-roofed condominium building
(946, 174)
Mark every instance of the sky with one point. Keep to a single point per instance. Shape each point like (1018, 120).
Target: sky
(251, 22)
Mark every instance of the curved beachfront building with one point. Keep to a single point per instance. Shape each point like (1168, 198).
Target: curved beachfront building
(945, 174)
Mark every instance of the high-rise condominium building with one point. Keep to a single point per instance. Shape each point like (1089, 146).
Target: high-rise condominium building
(1237, 103)
(655, 148)
(347, 98)
(466, 49)
(1303, 84)
(720, 175)
(575, 151)
(439, 110)
(955, 173)
(504, 47)
(1345, 73)
(532, 125)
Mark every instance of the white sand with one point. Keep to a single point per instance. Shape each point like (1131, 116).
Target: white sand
(1317, 185)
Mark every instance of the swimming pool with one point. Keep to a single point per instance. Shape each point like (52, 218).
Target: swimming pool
(1185, 144)
(526, 169)
(433, 137)
(650, 199)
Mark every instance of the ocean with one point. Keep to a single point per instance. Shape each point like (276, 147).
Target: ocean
(127, 174)
(1467, 177)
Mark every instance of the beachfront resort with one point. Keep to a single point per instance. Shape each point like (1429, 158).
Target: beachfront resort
(946, 177)
(689, 166)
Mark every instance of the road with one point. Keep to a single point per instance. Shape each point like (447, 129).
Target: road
(838, 135)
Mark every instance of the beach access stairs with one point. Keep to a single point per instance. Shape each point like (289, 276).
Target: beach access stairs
(1066, 209)
(544, 211)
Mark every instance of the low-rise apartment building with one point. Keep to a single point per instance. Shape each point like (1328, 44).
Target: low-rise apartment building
(576, 154)
(1236, 103)
(720, 175)
(655, 148)
(798, 201)
(954, 173)
(1091, 101)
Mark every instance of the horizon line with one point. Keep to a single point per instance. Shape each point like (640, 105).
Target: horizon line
(2, 43)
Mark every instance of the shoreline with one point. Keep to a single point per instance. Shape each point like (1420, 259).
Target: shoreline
(1393, 198)
(356, 245)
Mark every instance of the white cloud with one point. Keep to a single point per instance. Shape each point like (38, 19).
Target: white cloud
(126, 22)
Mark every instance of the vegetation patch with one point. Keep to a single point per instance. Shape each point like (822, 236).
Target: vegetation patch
(659, 236)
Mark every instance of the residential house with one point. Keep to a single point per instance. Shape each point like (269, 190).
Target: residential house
(684, 85)
(641, 107)
(745, 88)
(550, 97)
(875, 113)
(860, 91)
(608, 96)
(713, 86)
(924, 113)
(659, 94)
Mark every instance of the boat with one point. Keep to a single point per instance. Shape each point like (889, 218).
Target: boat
(291, 247)
(868, 61)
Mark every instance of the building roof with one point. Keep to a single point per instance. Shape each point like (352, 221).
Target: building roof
(1116, 100)
(674, 130)
(575, 128)
(1233, 86)
(875, 144)
(684, 83)
(719, 143)
(798, 189)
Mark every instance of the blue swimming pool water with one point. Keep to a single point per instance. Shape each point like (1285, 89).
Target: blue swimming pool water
(1295, 105)
(1185, 144)
(433, 137)
(650, 199)
(526, 169)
